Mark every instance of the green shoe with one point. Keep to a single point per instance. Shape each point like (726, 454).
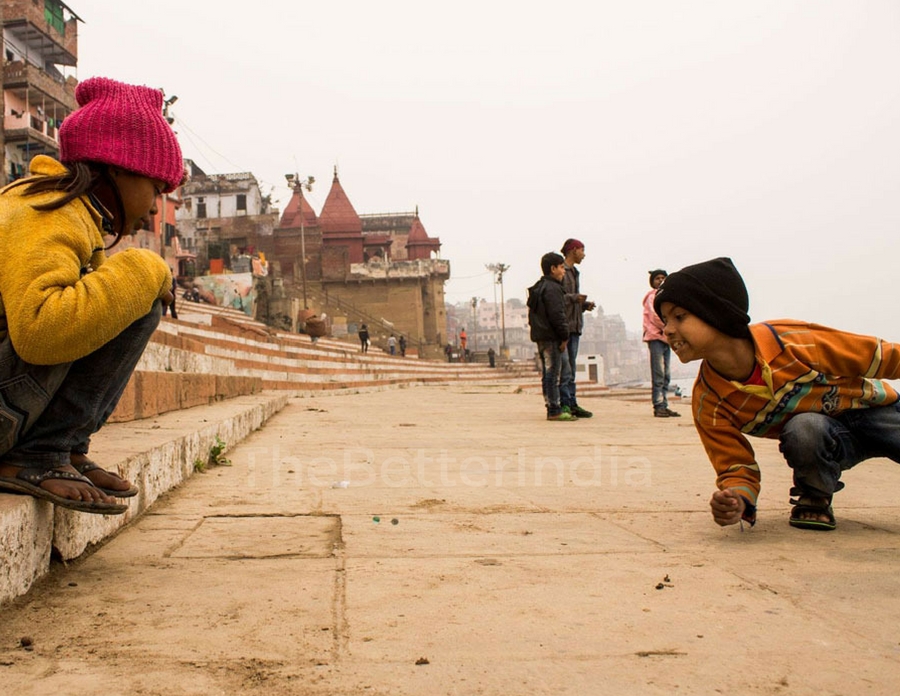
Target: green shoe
(563, 416)
(580, 412)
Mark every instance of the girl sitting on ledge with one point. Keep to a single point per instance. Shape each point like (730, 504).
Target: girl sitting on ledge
(74, 321)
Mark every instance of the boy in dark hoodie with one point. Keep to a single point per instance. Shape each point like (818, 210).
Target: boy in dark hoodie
(550, 330)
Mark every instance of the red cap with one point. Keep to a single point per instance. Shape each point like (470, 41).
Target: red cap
(571, 244)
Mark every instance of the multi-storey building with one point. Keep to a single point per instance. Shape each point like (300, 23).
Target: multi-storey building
(40, 41)
(222, 216)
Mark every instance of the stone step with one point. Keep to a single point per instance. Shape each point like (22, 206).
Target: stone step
(191, 363)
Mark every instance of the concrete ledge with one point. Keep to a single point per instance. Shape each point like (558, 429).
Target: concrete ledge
(157, 454)
(26, 533)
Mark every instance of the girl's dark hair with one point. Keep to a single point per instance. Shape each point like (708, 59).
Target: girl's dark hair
(81, 179)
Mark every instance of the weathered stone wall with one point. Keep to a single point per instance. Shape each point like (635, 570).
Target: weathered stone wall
(406, 305)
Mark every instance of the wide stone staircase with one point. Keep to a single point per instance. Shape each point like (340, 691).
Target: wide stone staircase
(206, 381)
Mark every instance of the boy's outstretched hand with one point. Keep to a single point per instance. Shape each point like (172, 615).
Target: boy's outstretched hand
(727, 507)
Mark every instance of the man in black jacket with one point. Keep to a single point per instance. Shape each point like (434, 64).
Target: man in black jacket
(550, 330)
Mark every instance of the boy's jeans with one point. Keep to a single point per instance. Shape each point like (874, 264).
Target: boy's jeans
(567, 373)
(49, 411)
(819, 447)
(552, 361)
(659, 372)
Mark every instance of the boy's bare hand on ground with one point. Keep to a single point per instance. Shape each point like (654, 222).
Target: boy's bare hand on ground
(727, 507)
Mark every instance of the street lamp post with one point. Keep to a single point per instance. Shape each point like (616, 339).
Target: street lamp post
(162, 227)
(298, 185)
(500, 269)
(474, 323)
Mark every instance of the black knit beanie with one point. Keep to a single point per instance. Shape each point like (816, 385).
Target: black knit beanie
(657, 272)
(712, 290)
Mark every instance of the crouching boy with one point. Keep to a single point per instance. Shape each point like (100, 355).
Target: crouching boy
(817, 390)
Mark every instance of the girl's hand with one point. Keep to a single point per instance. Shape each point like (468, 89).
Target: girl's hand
(167, 298)
(727, 507)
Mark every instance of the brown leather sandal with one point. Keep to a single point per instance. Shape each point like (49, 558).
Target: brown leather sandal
(28, 481)
(87, 465)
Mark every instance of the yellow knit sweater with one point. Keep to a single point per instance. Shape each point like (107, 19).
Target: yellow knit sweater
(61, 297)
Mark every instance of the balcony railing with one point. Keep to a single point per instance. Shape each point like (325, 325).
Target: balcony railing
(18, 14)
(19, 75)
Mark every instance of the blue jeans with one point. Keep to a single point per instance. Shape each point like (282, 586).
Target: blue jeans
(50, 411)
(567, 374)
(552, 359)
(659, 372)
(819, 447)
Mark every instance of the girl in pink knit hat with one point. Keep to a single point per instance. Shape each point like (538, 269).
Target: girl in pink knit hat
(74, 321)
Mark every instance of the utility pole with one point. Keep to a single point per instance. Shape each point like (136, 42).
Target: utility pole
(500, 269)
(298, 185)
(474, 323)
(162, 227)
(496, 309)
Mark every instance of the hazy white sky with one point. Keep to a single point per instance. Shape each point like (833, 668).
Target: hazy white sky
(659, 132)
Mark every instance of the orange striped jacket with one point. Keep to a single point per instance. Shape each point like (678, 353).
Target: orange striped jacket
(806, 368)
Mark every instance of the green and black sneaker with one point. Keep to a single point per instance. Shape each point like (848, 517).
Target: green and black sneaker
(563, 415)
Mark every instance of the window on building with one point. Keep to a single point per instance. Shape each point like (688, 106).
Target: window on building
(53, 13)
(201, 207)
(242, 201)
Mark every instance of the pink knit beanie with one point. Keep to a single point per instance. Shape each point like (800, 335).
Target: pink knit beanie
(122, 125)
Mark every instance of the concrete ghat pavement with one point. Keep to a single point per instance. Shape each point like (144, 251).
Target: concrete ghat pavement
(505, 554)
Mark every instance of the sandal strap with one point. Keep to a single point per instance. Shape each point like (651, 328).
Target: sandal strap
(801, 494)
(87, 466)
(37, 476)
(812, 502)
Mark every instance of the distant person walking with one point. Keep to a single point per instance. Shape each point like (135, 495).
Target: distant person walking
(576, 305)
(392, 345)
(171, 307)
(363, 334)
(660, 353)
(74, 320)
(463, 341)
(402, 346)
(492, 356)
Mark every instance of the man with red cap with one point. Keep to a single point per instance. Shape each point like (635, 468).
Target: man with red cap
(576, 305)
